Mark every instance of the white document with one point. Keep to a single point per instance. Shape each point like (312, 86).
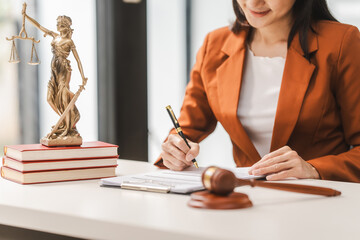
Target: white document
(186, 181)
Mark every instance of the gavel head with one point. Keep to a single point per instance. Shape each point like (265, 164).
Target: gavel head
(218, 181)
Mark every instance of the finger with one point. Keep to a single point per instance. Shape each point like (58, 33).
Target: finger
(281, 175)
(195, 147)
(275, 168)
(175, 161)
(171, 166)
(173, 151)
(171, 162)
(177, 141)
(278, 152)
(278, 159)
(268, 163)
(193, 152)
(275, 153)
(271, 155)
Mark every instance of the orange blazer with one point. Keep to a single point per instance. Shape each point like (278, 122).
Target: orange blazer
(318, 112)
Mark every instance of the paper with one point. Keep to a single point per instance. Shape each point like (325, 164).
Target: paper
(243, 173)
(186, 181)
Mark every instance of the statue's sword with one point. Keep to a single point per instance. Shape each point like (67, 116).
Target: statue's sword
(67, 109)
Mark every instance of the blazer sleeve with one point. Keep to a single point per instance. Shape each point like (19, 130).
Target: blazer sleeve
(196, 117)
(346, 166)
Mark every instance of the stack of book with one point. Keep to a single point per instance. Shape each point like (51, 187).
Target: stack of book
(36, 163)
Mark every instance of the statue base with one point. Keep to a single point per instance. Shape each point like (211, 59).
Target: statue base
(62, 141)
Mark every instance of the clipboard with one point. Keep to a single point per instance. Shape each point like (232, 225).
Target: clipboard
(167, 181)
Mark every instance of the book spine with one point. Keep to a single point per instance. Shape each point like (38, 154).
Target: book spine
(61, 160)
(63, 169)
(55, 170)
(79, 179)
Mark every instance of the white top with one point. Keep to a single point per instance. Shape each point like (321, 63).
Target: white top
(259, 95)
(84, 209)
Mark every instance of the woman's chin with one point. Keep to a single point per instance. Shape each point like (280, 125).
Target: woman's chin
(258, 23)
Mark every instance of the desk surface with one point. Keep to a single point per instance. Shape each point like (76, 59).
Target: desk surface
(83, 209)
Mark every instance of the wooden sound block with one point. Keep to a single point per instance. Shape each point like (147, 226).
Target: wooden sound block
(207, 200)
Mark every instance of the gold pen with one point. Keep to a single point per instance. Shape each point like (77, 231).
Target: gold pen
(179, 130)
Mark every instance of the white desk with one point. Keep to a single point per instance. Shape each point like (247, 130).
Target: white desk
(83, 209)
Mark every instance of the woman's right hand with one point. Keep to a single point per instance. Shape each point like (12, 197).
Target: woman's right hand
(176, 154)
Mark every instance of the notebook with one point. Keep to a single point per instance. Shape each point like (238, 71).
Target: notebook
(186, 181)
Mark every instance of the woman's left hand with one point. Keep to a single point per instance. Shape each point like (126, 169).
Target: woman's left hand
(283, 163)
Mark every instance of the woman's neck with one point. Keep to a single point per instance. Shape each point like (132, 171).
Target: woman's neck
(271, 40)
(271, 35)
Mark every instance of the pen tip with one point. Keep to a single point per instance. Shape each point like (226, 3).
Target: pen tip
(196, 164)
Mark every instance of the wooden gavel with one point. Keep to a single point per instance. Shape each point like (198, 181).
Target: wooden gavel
(222, 182)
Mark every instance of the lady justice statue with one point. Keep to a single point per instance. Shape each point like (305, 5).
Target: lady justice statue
(59, 96)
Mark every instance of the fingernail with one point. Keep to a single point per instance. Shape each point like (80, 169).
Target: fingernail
(189, 157)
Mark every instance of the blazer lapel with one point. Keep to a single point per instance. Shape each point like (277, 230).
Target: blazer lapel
(229, 76)
(296, 77)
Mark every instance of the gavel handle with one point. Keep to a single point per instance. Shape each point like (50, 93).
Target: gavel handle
(299, 188)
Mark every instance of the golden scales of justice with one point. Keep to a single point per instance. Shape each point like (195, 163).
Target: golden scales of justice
(14, 56)
(59, 96)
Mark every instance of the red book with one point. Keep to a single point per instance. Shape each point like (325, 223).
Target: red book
(56, 175)
(39, 152)
(31, 166)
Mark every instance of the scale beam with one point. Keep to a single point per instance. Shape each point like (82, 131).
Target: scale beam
(23, 38)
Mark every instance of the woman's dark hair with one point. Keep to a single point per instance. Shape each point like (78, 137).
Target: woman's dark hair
(305, 13)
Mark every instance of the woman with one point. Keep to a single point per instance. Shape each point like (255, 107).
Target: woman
(284, 83)
(59, 94)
